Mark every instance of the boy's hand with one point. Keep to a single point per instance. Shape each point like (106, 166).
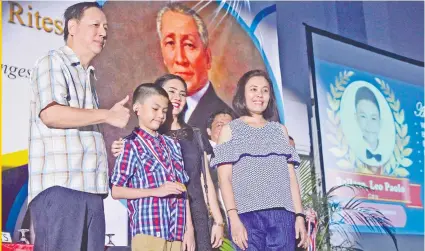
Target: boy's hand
(181, 185)
(188, 240)
(117, 147)
(168, 188)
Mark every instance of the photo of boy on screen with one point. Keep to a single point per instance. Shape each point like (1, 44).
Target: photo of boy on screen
(368, 117)
(368, 126)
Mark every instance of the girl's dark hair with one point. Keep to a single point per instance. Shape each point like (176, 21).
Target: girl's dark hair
(239, 102)
(160, 82)
(76, 11)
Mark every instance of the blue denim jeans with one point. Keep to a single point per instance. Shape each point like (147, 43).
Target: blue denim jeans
(269, 230)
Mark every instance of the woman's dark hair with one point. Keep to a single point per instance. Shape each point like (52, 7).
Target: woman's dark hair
(239, 102)
(76, 11)
(161, 81)
(364, 93)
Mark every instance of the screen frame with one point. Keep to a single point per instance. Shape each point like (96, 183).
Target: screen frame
(312, 74)
(310, 30)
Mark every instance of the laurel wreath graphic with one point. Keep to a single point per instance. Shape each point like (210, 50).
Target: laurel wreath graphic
(399, 161)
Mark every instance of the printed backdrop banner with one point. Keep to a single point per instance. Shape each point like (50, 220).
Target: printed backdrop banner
(236, 36)
(373, 135)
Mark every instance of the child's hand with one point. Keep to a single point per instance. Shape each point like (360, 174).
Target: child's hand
(188, 240)
(168, 188)
(181, 185)
(117, 147)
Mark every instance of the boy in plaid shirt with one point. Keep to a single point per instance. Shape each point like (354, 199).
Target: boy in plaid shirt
(149, 174)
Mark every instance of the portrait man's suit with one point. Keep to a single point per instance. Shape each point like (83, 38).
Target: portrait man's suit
(207, 105)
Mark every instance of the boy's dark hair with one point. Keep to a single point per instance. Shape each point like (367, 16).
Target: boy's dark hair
(145, 90)
(364, 93)
(239, 102)
(160, 82)
(290, 137)
(215, 114)
(76, 11)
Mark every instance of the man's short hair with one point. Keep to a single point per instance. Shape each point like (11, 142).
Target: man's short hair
(146, 90)
(183, 9)
(215, 114)
(76, 11)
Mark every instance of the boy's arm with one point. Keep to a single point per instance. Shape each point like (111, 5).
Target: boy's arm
(123, 171)
(168, 188)
(188, 243)
(131, 193)
(189, 222)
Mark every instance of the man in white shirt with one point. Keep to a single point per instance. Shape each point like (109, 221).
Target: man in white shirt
(67, 166)
(186, 53)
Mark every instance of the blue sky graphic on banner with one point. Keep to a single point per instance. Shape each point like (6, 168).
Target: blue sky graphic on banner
(372, 131)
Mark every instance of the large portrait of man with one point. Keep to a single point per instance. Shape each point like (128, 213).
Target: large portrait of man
(368, 125)
(200, 42)
(184, 46)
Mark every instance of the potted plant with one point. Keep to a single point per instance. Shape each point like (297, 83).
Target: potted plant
(336, 217)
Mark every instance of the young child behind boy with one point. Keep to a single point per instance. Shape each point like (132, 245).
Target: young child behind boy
(150, 175)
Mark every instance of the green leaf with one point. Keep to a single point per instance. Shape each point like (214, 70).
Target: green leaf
(227, 245)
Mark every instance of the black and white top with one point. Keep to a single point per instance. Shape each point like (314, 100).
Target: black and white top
(260, 158)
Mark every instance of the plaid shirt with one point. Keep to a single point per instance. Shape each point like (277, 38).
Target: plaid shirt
(72, 158)
(137, 167)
